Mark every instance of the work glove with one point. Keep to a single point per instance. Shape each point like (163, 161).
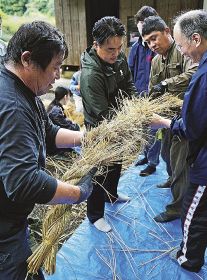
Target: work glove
(158, 89)
(159, 134)
(85, 185)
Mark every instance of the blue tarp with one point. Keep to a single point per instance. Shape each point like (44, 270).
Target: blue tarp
(137, 248)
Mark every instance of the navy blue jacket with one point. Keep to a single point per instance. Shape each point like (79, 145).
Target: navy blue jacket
(57, 116)
(193, 124)
(25, 128)
(139, 61)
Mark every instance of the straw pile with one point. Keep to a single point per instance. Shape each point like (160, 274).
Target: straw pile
(121, 139)
(71, 114)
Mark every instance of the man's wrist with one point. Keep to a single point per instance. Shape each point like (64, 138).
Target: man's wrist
(166, 123)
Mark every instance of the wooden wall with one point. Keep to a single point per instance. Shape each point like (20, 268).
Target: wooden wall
(71, 20)
(167, 9)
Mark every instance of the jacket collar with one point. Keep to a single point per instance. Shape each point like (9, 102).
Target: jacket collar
(203, 59)
(24, 88)
(169, 52)
(140, 40)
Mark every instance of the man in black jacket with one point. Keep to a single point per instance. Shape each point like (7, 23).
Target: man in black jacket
(32, 64)
(105, 77)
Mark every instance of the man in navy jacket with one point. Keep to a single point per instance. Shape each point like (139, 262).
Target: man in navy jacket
(190, 33)
(140, 55)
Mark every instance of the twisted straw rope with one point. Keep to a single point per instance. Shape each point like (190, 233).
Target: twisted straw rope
(110, 142)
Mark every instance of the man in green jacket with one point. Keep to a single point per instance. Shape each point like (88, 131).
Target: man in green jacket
(170, 72)
(105, 76)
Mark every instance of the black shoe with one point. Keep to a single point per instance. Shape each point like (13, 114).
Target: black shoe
(166, 217)
(147, 171)
(177, 253)
(165, 185)
(188, 266)
(141, 161)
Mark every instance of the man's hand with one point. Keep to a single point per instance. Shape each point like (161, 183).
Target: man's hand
(85, 185)
(159, 89)
(159, 122)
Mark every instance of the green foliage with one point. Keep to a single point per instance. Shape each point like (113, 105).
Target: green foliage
(51, 8)
(13, 7)
(40, 5)
(10, 24)
(21, 7)
(31, 10)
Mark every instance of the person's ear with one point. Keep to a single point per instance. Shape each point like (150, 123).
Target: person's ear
(66, 98)
(95, 44)
(25, 58)
(196, 38)
(167, 30)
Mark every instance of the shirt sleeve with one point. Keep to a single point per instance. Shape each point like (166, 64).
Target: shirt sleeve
(152, 73)
(193, 124)
(130, 87)
(95, 91)
(179, 83)
(177, 126)
(131, 59)
(21, 155)
(194, 109)
(57, 116)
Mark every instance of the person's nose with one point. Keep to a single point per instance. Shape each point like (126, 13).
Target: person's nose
(152, 44)
(117, 52)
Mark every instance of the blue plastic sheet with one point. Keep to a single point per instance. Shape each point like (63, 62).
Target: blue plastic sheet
(137, 248)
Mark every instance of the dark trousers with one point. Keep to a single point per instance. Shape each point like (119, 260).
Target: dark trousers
(106, 182)
(180, 173)
(19, 272)
(194, 226)
(165, 149)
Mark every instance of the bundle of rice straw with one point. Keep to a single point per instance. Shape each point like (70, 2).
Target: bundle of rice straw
(118, 140)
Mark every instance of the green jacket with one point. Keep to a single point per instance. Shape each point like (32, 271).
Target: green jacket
(101, 84)
(176, 70)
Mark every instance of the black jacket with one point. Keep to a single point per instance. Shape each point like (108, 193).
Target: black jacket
(25, 128)
(58, 117)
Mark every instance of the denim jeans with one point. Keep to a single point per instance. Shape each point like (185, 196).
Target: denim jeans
(152, 149)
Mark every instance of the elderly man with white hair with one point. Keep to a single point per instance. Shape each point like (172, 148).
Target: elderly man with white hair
(190, 33)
